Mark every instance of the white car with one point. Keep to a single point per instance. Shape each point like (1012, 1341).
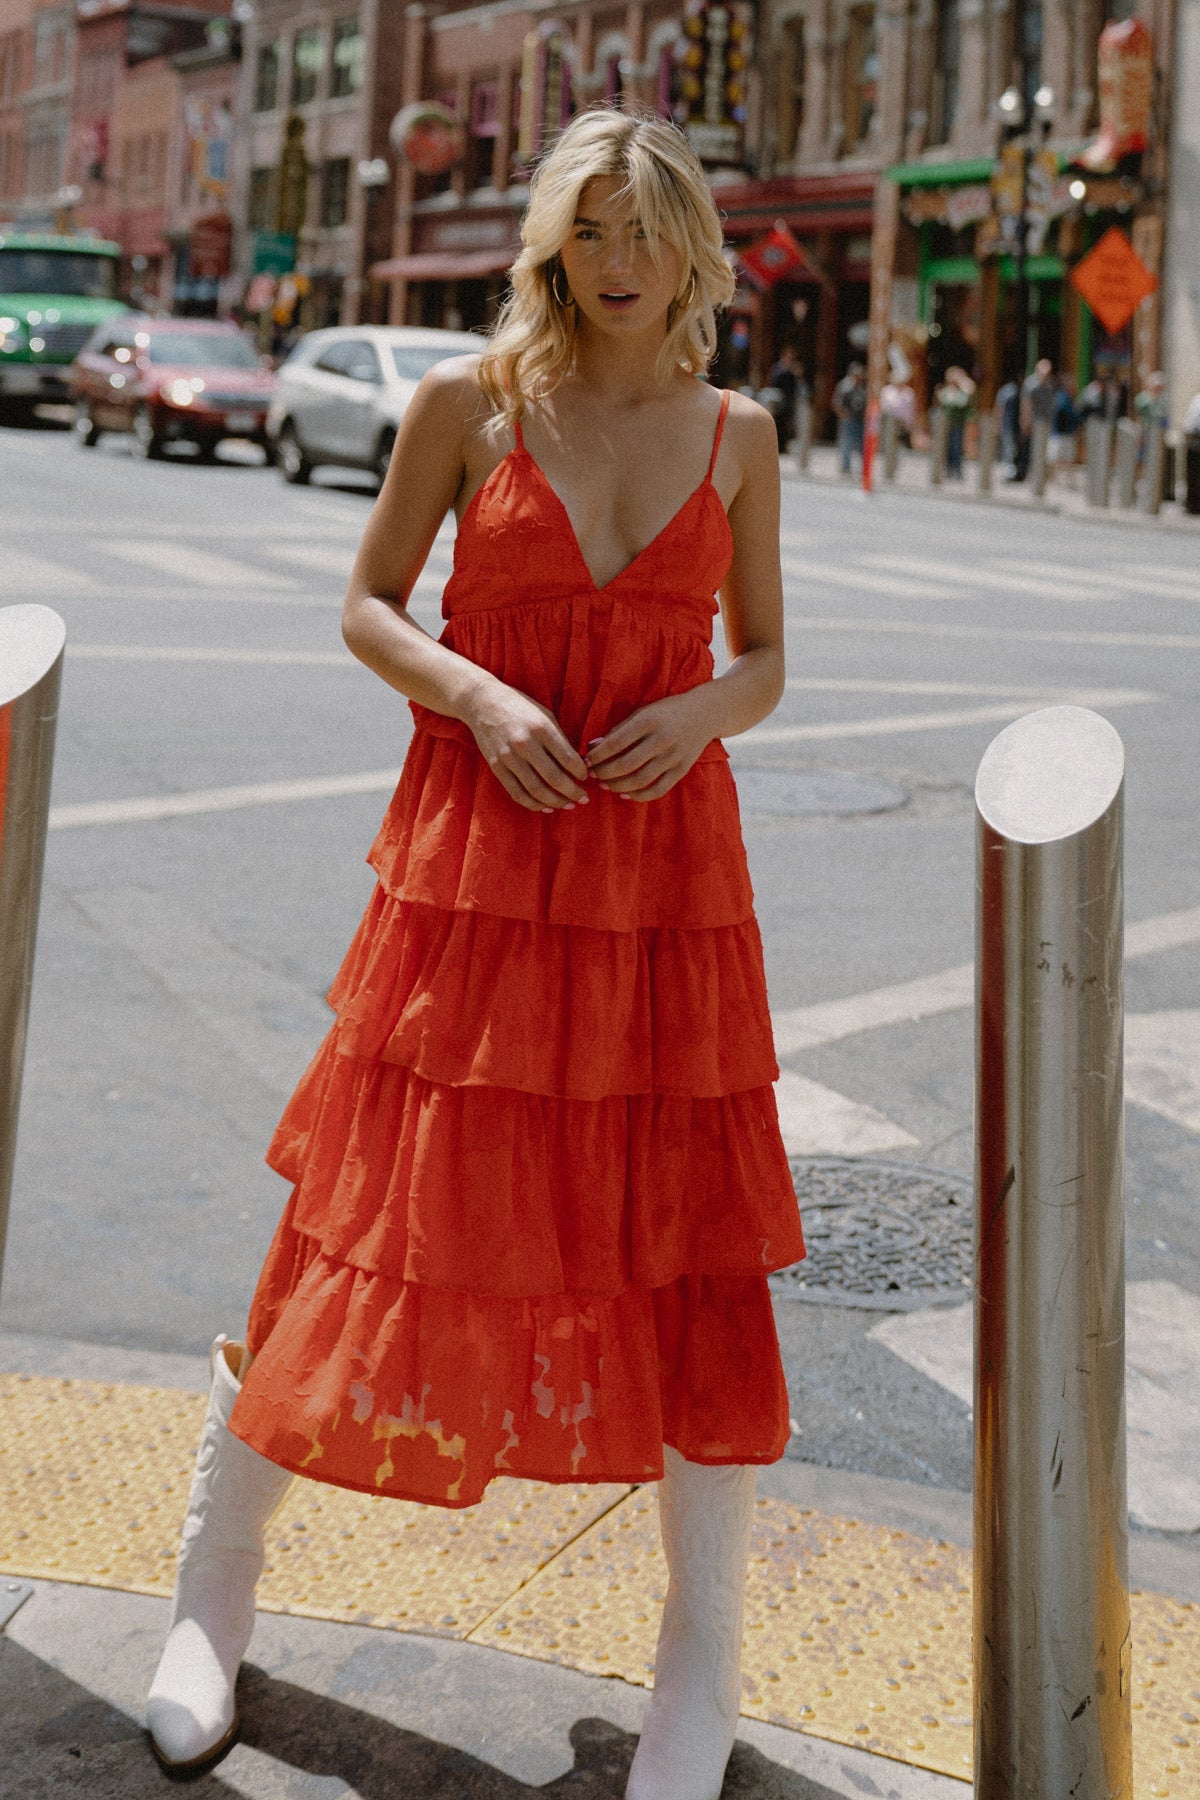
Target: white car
(341, 394)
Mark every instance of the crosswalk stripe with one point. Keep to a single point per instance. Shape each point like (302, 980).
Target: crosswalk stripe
(950, 628)
(851, 576)
(189, 653)
(942, 720)
(817, 1121)
(185, 562)
(949, 990)
(972, 577)
(25, 573)
(230, 799)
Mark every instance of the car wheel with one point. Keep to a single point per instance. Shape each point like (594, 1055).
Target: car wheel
(86, 429)
(147, 442)
(290, 456)
(383, 453)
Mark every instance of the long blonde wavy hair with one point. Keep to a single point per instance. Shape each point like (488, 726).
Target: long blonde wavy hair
(530, 349)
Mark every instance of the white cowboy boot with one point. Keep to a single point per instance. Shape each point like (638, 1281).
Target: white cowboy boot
(190, 1712)
(705, 1516)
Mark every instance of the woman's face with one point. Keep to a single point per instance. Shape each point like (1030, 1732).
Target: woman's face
(606, 259)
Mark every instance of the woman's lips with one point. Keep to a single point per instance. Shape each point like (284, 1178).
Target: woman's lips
(618, 302)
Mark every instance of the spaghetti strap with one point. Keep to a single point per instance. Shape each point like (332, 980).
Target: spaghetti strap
(712, 461)
(520, 437)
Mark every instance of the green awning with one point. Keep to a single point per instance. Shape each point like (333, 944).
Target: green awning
(941, 174)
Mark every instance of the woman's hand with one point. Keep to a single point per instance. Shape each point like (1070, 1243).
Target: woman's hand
(644, 756)
(524, 747)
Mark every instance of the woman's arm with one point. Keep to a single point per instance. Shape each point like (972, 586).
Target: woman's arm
(523, 743)
(649, 752)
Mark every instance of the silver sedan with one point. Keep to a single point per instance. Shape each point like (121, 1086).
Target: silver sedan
(341, 394)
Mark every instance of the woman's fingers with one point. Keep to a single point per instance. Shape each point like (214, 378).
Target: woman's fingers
(542, 762)
(515, 791)
(637, 780)
(621, 738)
(627, 761)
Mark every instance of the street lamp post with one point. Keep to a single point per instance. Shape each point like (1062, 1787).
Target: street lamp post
(1015, 121)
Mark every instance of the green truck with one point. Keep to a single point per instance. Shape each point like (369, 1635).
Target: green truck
(54, 291)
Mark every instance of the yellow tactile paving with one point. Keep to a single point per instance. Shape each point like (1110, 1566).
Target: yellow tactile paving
(854, 1632)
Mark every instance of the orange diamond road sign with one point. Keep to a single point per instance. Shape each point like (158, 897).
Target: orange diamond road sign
(1113, 280)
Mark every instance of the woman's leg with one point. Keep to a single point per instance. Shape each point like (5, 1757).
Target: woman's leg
(705, 1516)
(190, 1713)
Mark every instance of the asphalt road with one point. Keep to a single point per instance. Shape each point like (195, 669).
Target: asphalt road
(183, 957)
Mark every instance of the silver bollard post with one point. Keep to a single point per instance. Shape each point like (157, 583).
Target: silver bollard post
(31, 647)
(1039, 457)
(1129, 440)
(889, 444)
(1052, 1643)
(987, 450)
(1152, 475)
(939, 428)
(1098, 440)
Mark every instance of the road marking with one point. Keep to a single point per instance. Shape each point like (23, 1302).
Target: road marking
(973, 578)
(816, 1121)
(845, 575)
(1131, 582)
(1162, 1065)
(28, 574)
(1151, 572)
(1117, 640)
(208, 800)
(821, 684)
(1162, 1361)
(949, 720)
(186, 653)
(187, 563)
(950, 990)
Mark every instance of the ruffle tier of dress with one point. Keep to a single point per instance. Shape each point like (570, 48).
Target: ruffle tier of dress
(538, 1180)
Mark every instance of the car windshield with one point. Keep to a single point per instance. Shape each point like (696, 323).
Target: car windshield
(74, 272)
(414, 360)
(184, 350)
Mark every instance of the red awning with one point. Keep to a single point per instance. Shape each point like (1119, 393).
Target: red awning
(446, 265)
(807, 203)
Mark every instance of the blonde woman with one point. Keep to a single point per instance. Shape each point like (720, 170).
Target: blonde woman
(538, 1177)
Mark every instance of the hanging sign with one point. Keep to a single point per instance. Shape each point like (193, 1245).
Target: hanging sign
(713, 57)
(209, 247)
(1126, 80)
(292, 202)
(428, 136)
(774, 257)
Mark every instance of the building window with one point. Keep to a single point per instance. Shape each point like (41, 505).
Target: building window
(266, 78)
(546, 102)
(260, 199)
(347, 57)
(483, 130)
(335, 192)
(791, 87)
(862, 76)
(945, 72)
(306, 65)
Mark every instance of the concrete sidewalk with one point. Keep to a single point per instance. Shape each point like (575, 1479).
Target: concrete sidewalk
(333, 1709)
(1065, 493)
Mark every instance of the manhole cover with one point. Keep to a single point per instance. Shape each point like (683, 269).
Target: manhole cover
(811, 793)
(887, 1235)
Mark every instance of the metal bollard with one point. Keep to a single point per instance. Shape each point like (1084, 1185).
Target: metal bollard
(889, 444)
(802, 442)
(938, 439)
(987, 451)
(1152, 473)
(1129, 442)
(1098, 440)
(1039, 457)
(31, 647)
(1052, 1641)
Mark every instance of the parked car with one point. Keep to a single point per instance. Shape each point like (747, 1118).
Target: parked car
(55, 289)
(342, 392)
(170, 381)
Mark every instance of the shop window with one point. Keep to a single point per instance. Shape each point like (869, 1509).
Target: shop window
(944, 98)
(791, 87)
(862, 76)
(546, 102)
(306, 65)
(348, 51)
(335, 192)
(266, 78)
(260, 208)
(483, 130)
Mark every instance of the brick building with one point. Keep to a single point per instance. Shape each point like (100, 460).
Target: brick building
(36, 74)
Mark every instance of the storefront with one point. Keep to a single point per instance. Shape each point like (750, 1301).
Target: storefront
(822, 307)
(457, 269)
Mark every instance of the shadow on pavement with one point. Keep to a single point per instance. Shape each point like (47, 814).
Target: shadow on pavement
(57, 1740)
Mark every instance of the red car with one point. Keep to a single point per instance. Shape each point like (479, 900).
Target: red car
(171, 381)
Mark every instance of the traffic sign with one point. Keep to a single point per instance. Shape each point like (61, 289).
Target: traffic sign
(1113, 279)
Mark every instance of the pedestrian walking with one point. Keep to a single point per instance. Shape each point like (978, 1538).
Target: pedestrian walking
(850, 411)
(787, 379)
(898, 401)
(955, 396)
(1062, 449)
(1151, 406)
(1008, 418)
(538, 1178)
(1038, 394)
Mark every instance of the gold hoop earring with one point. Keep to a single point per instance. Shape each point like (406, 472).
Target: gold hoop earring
(570, 299)
(678, 306)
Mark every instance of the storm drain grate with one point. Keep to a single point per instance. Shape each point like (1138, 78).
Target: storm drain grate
(886, 1235)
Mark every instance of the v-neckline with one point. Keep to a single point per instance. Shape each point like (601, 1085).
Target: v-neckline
(598, 587)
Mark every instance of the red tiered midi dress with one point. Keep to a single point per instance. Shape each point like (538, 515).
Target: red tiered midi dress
(538, 1175)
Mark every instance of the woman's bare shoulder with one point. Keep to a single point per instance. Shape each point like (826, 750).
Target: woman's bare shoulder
(449, 400)
(753, 443)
